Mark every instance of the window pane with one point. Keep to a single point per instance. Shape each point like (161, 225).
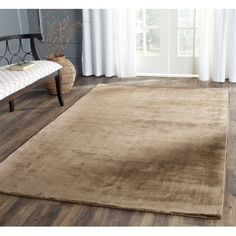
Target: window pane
(186, 18)
(153, 42)
(152, 17)
(197, 19)
(139, 17)
(139, 43)
(185, 42)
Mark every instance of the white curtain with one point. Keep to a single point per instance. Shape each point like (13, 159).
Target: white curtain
(109, 42)
(217, 59)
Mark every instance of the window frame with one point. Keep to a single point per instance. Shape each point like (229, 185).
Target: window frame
(194, 28)
(143, 29)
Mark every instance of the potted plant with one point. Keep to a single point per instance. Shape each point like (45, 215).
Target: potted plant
(58, 30)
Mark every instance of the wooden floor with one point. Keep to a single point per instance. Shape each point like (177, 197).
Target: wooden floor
(36, 109)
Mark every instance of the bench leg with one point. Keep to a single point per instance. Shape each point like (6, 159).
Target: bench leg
(58, 87)
(11, 106)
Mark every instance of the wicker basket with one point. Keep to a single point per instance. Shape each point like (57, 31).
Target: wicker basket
(68, 76)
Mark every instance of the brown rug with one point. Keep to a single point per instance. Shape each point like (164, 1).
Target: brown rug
(132, 147)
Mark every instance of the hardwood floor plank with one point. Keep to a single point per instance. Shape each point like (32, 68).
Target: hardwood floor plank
(65, 209)
(20, 209)
(51, 214)
(84, 215)
(43, 215)
(117, 217)
(148, 219)
(6, 204)
(71, 216)
(99, 218)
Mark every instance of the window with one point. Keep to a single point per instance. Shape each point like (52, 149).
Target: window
(148, 32)
(188, 33)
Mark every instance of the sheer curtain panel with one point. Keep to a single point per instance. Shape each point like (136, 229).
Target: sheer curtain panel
(109, 42)
(217, 57)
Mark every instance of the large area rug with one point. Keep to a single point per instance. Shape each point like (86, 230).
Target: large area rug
(133, 147)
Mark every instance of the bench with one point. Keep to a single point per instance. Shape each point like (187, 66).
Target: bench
(15, 83)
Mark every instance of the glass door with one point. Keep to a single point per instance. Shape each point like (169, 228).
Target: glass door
(167, 42)
(184, 41)
(151, 41)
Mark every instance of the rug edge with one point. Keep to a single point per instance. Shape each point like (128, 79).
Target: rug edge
(215, 216)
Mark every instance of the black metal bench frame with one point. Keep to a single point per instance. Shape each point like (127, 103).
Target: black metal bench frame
(8, 56)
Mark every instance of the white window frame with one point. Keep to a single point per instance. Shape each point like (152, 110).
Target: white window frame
(143, 30)
(194, 28)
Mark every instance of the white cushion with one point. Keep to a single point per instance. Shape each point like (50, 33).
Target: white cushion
(13, 81)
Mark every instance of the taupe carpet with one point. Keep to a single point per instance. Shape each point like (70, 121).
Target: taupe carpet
(132, 147)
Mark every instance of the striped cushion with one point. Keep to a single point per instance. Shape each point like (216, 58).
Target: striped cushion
(13, 81)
